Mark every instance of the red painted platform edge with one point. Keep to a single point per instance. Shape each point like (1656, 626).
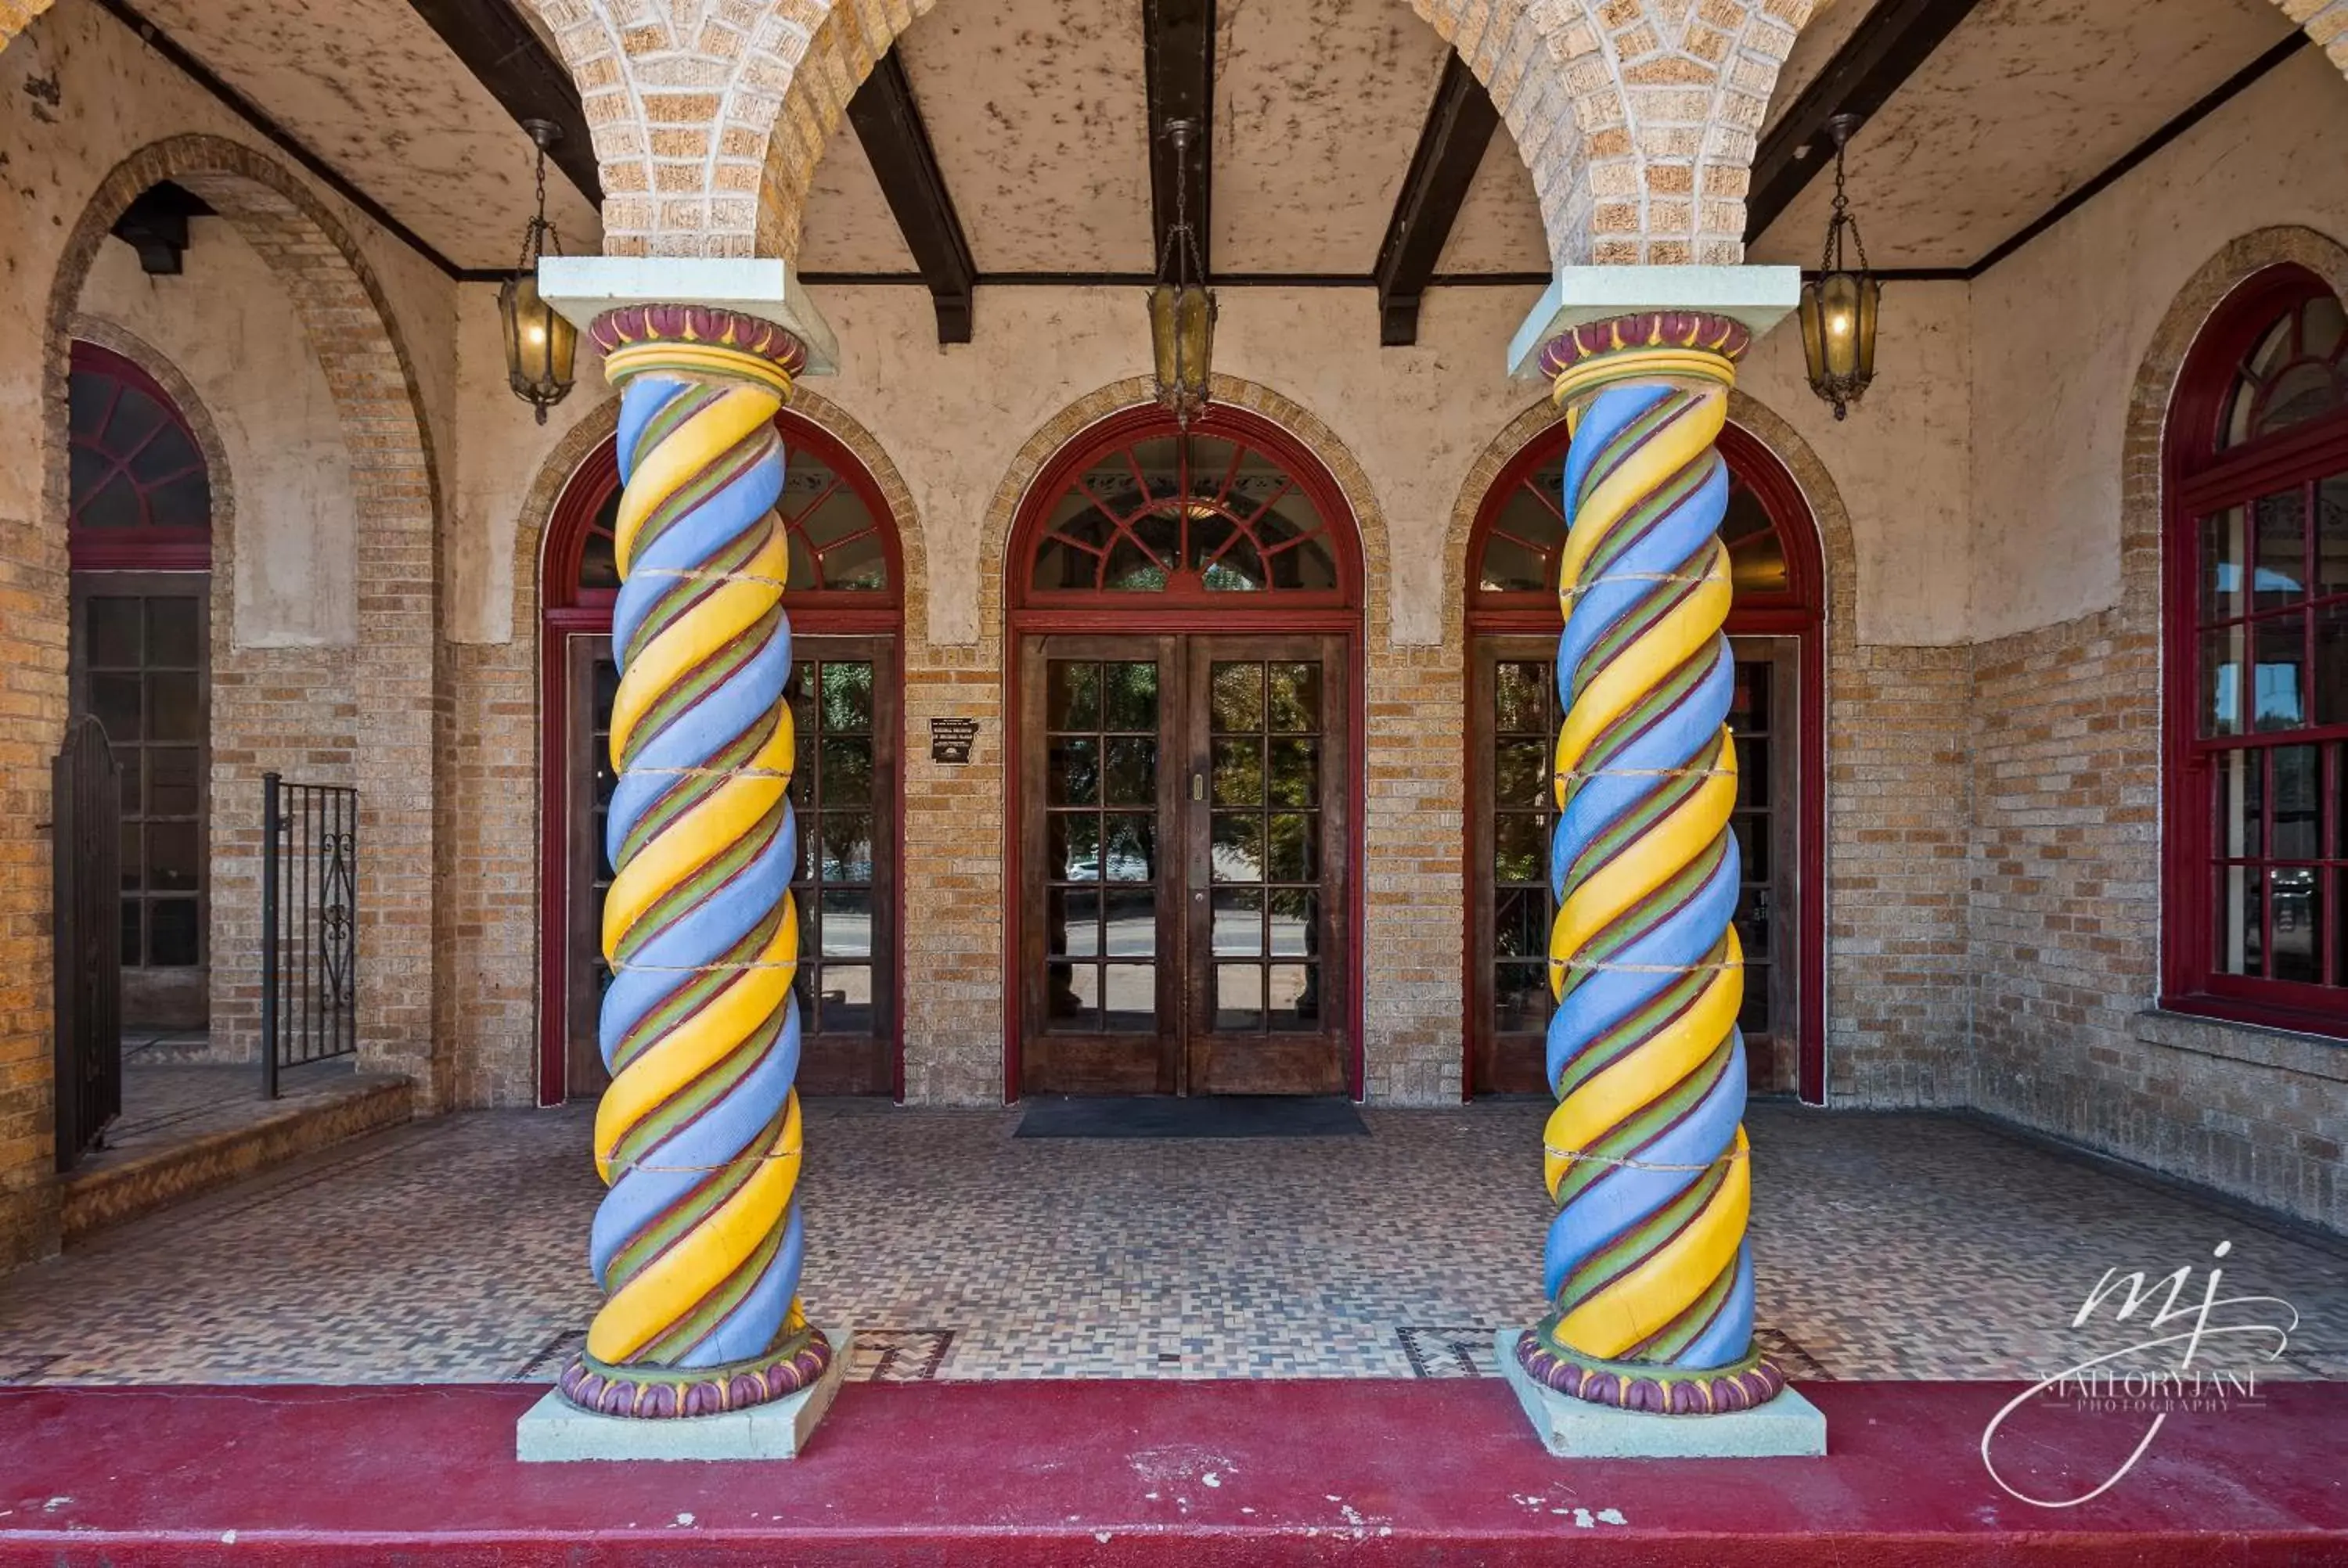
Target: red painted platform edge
(1143, 1473)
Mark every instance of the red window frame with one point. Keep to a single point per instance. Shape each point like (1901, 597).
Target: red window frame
(567, 609)
(1186, 593)
(147, 547)
(1797, 611)
(2201, 478)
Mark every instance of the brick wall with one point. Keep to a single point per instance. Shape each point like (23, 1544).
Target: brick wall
(2065, 906)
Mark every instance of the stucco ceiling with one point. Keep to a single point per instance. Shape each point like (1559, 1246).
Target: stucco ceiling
(1318, 104)
(1036, 110)
(368, 86)
(2024, 103)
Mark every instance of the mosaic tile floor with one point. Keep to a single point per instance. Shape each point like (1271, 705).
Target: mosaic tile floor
(452, 1250)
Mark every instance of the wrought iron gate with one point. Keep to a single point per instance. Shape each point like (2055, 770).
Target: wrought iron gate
(86, 813)
(309, 925)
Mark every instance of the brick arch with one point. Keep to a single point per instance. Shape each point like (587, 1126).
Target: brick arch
(394, 735)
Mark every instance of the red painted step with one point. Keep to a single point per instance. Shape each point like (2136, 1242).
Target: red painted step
(1190, 1473)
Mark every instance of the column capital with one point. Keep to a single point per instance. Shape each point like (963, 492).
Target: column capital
(1754, 298)
(765, 288)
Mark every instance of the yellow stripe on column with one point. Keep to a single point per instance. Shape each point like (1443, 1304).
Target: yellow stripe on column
(1613, 1096)
(697, 1042)
(688, 642)
(703, 1257)
(684, 455)
(678, 852)
(1631, 675)
(1680, 836)
(1627, 1312)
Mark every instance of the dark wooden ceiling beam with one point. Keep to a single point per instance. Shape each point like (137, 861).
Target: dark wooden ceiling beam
(1875, 62)
(523, 75)
(890, 126)
(1451, 147)
(1179, 37)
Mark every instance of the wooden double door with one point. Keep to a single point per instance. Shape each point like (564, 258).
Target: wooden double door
(844, 793)
(1186, 899)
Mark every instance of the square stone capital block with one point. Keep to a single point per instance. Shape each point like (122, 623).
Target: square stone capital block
(584, 287)
(1788, 1427)
(556, 1432)
(1759, 297)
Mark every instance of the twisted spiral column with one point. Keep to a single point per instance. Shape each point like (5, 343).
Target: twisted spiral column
(698, 1243)
(1647, 1265)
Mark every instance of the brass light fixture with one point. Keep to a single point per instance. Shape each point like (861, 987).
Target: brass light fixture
(1181, 306)
(1838, 305)
(540, 343)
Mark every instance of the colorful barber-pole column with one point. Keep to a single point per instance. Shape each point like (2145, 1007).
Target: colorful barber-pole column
(697, 1245)
(1648, 1269)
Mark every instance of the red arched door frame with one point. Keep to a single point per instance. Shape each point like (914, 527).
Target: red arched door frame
(1794, 610)
(140, 543)
(1187, 605)
(569, 610)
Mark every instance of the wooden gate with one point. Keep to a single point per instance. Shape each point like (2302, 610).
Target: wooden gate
(85, 846)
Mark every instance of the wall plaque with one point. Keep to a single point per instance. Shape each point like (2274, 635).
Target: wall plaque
(951, 739)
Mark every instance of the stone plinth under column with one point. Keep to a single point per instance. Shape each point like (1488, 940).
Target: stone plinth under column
(556, 1432)
(1788, 1427)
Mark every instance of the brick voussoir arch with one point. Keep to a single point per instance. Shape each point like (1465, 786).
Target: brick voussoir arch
(398, 662)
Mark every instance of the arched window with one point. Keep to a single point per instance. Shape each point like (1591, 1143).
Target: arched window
(1513, 714)
(2255, 619)
(1214, 516)
(141, 494)
(845, 598)
(139, 659)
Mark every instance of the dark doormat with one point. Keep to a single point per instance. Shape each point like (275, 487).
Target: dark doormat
(1200, 1116)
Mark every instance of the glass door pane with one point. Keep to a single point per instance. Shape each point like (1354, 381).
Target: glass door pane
(1267, 897)
(1101, 872)
(141, 663)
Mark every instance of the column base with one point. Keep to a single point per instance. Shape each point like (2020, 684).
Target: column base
(555, 1430)
(1788, 1427)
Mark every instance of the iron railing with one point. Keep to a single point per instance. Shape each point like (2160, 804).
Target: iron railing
(85, 848)
(309, 925)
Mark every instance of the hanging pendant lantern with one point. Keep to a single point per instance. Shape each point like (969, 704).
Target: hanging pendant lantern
(540, 343)
(1181, 307)
(1839, 304)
